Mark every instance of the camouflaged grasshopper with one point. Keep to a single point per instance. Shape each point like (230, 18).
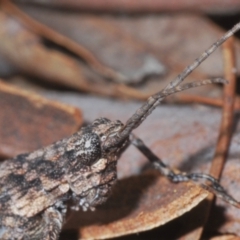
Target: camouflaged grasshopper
(35, 188)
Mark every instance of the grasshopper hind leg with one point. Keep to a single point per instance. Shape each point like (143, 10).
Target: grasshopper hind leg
(46, 226)
(204, 180)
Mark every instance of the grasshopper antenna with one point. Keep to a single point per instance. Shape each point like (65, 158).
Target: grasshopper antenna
(140, 115)
(152, 102)
(203, 57)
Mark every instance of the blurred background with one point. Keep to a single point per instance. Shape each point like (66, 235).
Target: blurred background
(64, 63)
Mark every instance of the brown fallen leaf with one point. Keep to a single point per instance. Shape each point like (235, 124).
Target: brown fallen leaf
(29, 122)
(137, 204)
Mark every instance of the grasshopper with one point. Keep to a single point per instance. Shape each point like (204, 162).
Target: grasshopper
(35, 188)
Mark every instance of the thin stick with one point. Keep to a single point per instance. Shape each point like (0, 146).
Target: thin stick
(61, 40)
(190, 98)
(225, 134)
(227, 115)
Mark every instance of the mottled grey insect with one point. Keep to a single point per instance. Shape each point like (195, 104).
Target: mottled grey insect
(35, 188)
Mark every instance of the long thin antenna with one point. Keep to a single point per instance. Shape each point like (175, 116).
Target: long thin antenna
(152, 102)
(139, 116)
(203, 56)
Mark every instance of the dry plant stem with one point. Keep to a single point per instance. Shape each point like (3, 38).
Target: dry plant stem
(224, 137)
(61, 40)
(190, 98)
(228, 113)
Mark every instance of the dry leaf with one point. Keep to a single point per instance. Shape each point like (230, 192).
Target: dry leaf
(138, 204)
(29, 122)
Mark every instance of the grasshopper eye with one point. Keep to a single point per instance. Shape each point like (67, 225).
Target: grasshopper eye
(103, 138)
(86, 150)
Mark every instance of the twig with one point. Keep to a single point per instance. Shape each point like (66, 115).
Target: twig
(61, 40)
(190, 98)
(228, 107)
(225, 133)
